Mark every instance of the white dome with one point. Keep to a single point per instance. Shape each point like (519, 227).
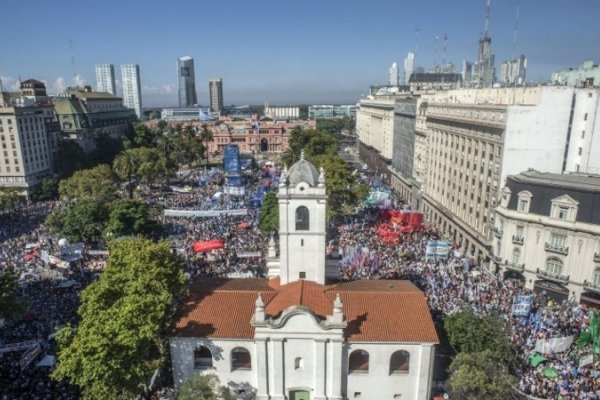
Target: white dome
(303, 171)
(63, 242)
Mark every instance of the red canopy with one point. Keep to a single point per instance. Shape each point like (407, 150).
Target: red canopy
(208, 245)
(243, 225)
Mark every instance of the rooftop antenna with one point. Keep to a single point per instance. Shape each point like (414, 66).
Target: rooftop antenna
(445, 45)
(487, 18)
(514, 49)
(72, 58)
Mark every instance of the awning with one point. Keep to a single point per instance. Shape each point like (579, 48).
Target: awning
(208, 245)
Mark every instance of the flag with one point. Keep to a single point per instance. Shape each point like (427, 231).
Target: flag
(536, 359)
(587, 360)
(550, 372)
(584, 339)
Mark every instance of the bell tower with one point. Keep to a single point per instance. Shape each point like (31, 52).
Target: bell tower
(302, 200)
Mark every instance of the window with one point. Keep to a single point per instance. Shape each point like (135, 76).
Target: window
(579, 151)
(358, 362)
(298, 363)
(302, 275)
(240, 359)
(524, 201)
(516, 255)
(399, 362)
(563, 212)
(519, 232)
(202, 358)
(597, 277)
(554, 266)
(302, 219)
(557, 240)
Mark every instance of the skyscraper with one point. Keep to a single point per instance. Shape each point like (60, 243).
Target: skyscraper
(486, 73)
(105, 78)
(132, 89)
(409, 67)
(394, 79)
(187, 82)
(215, 90)
(512, 72)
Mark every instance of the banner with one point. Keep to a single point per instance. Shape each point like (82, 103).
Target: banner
(29, 356)
(248, 254)
(203, 213)
(17, 346)
(521, 306)
(556, 345)
(235, 190)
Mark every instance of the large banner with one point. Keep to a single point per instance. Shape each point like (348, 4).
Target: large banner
(17, 346)
(437, 249)
(203, 213)
(556, 345)
(522, 305)
(29, 356)
(248, 254)
(235, 190)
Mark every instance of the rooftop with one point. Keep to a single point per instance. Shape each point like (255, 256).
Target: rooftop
(376, 310)
(571, 181)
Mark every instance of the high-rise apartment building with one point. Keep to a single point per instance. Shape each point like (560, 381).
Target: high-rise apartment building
(215, 90)
(187, 82)
(409, 67)
(394, 78)
(105, 79)
(132, 89)
(512, 72)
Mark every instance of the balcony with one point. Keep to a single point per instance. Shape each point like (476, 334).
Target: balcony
(561, 279)
(591, 287)
(556, 249)
(496, 259)
(498, 233)
(597, 257)
(518, 239)
(515, 267)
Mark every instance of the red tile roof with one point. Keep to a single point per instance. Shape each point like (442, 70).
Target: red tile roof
(376, 310)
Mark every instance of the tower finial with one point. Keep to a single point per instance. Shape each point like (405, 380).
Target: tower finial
(321, 177)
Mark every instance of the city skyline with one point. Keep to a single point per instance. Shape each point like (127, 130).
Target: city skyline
(288, 63)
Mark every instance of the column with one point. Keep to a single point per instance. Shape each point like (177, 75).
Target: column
(425, 372)
(262, 369)
(335, 370)
(278, 369)
(321, 365)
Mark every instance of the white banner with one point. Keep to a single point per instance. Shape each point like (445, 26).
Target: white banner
(556, 345)
(17, 346)
(235, 190)
(248, 254)
(203, 213)
(29, 356)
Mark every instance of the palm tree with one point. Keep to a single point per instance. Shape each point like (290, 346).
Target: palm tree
(126, 166)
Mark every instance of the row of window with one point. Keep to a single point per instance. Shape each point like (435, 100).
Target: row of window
(358, 361)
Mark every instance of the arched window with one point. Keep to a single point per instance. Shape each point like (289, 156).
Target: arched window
(597, 277)
(516, 255)
(240, 359)
(399, 362)
(554, 266)
(203, 358)
(298, 363)
(358, 362)
(302, 219)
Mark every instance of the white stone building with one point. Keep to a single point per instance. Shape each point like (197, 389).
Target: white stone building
(105, 79)
(295, 337)
(547, 231)
(132, 88)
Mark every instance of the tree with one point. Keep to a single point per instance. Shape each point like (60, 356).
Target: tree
(269, 214)
(470, 333)
(480, 375)
(82, 221)
(70, 157)
(124, 317)
(126, 167)
(129, 217)
(93, 183)
(204, 387)
(205, 136)
(10, 306)
(105, 151)
(47, 190)
(9, 200)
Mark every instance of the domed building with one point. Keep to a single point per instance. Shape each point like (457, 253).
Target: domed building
(295, 336)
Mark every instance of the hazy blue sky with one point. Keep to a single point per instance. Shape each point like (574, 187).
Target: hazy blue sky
(281, 51)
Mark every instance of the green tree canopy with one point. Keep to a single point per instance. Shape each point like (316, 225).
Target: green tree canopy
(82, 221)
(470, 333)
(129, 217)
(204, 387)
(269, 214)
(480, 375)
(124, 316)
(10, 306)
(70, 157)
(9, 200)
(47, 190)
(93, 183)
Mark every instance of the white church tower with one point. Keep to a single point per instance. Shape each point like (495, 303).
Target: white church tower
(302, 224)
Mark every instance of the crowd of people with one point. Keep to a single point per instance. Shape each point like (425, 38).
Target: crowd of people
(450, 284)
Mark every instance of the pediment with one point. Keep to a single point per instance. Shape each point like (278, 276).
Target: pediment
(566, 199)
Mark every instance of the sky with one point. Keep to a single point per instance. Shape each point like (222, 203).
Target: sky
(281, 51)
